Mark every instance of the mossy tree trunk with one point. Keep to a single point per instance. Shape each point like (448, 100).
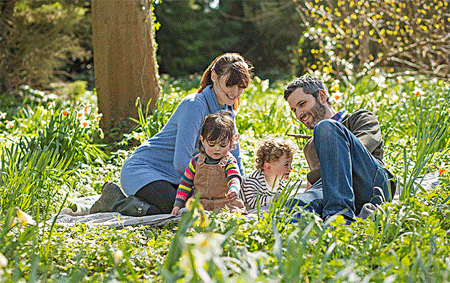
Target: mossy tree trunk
(6, 23)
(124, 59)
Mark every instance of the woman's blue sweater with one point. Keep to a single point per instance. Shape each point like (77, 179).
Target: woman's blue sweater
(166, 155)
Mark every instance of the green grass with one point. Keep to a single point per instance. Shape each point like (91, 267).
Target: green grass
(48, 156)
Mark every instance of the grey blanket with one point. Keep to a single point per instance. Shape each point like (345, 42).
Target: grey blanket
(68, 217)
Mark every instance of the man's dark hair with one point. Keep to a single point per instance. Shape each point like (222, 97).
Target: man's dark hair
(309, 84)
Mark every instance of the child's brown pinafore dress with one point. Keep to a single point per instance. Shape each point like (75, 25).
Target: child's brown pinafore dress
(210, 181)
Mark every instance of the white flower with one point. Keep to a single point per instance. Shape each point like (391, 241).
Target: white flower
(394, 98)
(3, 261)
(380, 80)
(418, 91)
(117, 256)
(206, 245)
(264, 85)
(203, 247)
(10, 124)
(337, 95)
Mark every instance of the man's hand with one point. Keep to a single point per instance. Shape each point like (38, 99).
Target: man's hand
(175, 210)
(231, 195)
(308, 185)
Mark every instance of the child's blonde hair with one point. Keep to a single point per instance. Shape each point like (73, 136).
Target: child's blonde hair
(271, 149)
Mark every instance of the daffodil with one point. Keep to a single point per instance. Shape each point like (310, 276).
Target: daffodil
(117, 256)
(394, 98)
(380, 80)
(199, 213)
(3, 261)
(10, 124)
(200, 250)
(442, 169)
(98, 117)
(24, 217)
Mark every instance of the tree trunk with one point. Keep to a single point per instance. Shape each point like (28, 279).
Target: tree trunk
(124, 59)
(6, 24)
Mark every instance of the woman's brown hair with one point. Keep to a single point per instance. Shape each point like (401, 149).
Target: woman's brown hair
(232, 64)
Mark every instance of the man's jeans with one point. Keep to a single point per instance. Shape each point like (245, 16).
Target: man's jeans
(349, 174)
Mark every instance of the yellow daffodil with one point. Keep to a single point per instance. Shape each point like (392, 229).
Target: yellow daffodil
(199, 213)
(24, 218)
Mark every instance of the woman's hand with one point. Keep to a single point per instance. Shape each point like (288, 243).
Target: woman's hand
(231, 195)
(175, 210)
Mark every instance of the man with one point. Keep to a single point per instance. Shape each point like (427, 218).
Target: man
(344, 155)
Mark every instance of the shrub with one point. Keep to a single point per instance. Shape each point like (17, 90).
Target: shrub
(40, 40)
(352, 37)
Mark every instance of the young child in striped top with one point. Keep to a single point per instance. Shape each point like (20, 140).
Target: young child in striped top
(273, 165)
(213, 172)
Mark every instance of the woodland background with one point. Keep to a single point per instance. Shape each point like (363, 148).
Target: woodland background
(46, 41)
(390, 57)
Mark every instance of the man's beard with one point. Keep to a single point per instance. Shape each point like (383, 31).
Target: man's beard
(317, 112)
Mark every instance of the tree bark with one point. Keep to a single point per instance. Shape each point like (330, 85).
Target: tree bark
(124, 59)
(6, 24)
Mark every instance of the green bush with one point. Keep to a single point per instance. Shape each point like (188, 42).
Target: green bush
(350, 38)
(40, 40)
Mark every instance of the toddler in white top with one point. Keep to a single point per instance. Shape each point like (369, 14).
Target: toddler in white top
(273, 164)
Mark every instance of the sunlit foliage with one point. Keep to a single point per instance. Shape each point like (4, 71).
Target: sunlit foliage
(351, 37)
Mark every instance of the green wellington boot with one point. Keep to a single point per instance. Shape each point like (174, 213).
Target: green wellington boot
(111, 193)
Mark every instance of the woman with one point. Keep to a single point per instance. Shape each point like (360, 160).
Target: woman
(153, 172)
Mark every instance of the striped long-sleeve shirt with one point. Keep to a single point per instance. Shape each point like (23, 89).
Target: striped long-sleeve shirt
(231, 172)
(253, 183)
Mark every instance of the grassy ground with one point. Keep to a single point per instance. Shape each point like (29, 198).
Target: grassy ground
(51, 150)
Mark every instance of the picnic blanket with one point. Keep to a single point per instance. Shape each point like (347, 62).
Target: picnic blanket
(67, 217)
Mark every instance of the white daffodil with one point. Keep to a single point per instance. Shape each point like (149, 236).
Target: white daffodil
(117, 256)
(3, 261)
(199, 251)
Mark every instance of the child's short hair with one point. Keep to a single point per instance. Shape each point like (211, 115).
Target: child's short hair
(271, 149)
(218, 128)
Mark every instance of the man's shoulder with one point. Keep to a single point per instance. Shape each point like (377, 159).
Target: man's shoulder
(360, 114)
